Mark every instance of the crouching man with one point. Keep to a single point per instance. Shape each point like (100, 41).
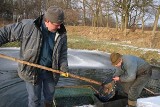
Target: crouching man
(132, 73)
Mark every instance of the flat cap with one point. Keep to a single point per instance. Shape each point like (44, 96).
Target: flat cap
(115, 58)
(54, 14)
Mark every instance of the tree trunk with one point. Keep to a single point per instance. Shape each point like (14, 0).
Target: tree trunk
(143, 20)
(125, 26)
(117, 24)
(84, 13)
(155, 27)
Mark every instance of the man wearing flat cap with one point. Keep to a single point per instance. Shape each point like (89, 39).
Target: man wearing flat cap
(43, 41)
(133, 73)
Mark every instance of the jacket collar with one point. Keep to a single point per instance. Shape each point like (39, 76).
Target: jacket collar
(38, 21)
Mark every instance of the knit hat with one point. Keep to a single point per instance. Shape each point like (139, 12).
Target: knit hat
(115, 58)
(54, 14)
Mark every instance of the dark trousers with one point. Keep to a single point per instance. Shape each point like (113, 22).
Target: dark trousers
(134, 88)
(45, 85)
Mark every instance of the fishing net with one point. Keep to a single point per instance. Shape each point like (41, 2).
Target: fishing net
(85, 94)
(153, 88)
(106, 91)
(76, 96)
(70, 96)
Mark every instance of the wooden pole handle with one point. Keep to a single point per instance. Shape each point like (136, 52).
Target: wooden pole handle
(49, 69)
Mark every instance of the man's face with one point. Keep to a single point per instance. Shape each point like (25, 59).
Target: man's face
(52, 27)
(119, 63)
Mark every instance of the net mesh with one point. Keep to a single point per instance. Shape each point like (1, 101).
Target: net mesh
(74, 96)
(153, 87)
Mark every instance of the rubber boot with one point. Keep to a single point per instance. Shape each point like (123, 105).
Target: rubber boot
(48, 104)
(132, 103)
(130, 106)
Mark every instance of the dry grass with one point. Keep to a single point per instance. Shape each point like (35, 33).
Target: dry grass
(110, 40)
(136, 38)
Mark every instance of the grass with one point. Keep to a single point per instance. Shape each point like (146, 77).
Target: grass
(79, 42)
(11, 44)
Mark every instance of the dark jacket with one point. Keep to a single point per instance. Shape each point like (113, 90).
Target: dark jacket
(28, 32)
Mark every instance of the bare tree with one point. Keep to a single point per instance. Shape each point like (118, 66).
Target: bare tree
(84, 12)
(6, 10)
(144, 7)
(128, 13)
(155, 26)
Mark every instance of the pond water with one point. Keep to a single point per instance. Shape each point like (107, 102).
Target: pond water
(89, 64)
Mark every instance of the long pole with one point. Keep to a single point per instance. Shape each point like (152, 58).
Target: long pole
(49, 69)
(59, 72)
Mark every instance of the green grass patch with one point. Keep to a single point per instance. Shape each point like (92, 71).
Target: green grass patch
(11, 44)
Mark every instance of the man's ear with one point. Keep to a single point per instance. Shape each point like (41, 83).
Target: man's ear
(121, 60)
(46, 20)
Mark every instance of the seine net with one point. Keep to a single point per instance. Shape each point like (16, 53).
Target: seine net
(70, 96)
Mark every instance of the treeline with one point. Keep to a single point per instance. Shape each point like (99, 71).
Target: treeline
(121, 14)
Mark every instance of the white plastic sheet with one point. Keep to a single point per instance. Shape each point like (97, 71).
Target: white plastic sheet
(149, 102)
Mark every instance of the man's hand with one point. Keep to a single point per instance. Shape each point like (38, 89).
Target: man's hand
(65, 74)
(116, 78)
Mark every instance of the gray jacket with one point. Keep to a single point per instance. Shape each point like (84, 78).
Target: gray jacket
(28, 32)
(131, 67)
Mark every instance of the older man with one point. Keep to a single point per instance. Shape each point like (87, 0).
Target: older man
(43, 41)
